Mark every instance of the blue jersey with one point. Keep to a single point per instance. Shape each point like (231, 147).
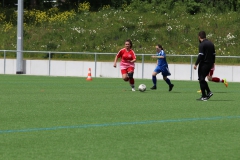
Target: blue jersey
(162, 65)
(162, 61)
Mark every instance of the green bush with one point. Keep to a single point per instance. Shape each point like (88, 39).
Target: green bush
(107, 29)
(193, 7)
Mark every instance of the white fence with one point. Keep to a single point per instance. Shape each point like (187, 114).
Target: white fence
(50, 67)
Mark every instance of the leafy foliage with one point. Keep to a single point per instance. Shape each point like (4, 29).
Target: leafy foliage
(193, 5)
(174, 24)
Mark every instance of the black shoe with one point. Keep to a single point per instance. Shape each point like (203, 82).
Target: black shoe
(209, 95)
(154, 87)
(202, 99)
(171, 87)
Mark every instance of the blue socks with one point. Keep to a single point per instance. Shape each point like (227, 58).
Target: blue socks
(154, 80)
(168, 81)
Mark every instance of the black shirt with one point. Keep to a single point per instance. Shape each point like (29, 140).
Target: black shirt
(206, 52)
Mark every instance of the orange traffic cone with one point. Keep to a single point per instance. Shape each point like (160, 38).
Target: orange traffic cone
(89, 78)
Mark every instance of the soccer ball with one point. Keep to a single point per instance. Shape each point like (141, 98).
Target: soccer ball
(142, 87)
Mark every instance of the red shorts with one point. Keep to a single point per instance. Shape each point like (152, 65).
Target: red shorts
(129, 69)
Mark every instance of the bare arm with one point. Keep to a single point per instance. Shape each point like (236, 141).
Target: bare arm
(134, 60)
(157, 56)
(115, 62)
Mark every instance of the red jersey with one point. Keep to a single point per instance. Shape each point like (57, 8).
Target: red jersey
(126, 56)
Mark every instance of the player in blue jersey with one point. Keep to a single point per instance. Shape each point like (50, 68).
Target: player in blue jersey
(162, 66)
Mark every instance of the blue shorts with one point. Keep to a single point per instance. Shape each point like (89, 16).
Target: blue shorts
(163, 69)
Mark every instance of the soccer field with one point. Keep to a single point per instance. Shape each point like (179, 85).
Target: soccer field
(71, 118)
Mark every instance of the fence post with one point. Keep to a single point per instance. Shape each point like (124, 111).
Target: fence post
(4, 62)
(49, 63)
(191, 67)
(142, 65)
(95, 59)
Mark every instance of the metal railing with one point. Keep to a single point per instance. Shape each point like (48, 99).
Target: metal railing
(96, 54)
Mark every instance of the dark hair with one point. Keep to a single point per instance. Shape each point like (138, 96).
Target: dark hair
(160, 46)
(128, 40)
(202, 34)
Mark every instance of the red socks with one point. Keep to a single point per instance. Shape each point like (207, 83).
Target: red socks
(131, 81)
(216, 79)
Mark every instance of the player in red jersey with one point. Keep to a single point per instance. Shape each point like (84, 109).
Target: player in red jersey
(127, 64)
(215, 79)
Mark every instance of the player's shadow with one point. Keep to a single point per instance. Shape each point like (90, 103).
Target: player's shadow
(166, 91)
(219, 92)
(223, 100)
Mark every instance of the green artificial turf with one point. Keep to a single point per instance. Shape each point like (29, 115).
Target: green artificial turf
(71, 118)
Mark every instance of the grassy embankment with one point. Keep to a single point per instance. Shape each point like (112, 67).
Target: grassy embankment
(106, 30)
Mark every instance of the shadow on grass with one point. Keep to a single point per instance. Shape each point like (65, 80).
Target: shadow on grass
(224, 100)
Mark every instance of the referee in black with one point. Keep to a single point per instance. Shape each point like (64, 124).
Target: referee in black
(205, 60)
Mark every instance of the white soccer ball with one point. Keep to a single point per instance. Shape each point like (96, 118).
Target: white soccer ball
(142, 87)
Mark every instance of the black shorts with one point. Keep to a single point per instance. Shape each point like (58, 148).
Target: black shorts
(203, 70)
